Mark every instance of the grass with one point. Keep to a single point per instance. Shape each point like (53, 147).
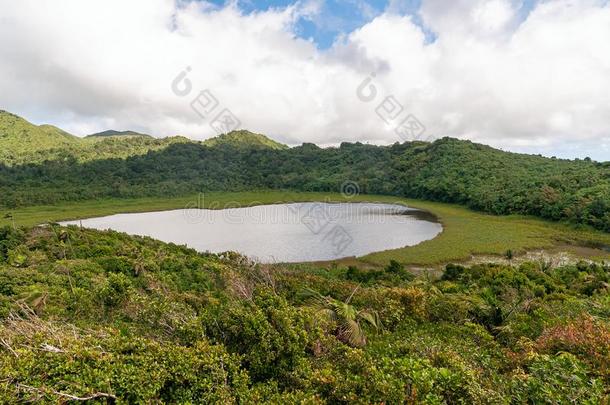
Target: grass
(466, 233)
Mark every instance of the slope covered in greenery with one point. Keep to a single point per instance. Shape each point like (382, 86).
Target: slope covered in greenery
(447, 170)
(24, 143)
(111, 132)
(46, 165)
(88, 314)
(245, 140)
(20, 140)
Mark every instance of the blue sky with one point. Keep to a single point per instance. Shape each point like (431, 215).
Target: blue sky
(340, 17)
(336, 17)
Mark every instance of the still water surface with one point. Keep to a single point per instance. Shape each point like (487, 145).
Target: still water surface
(296, 232)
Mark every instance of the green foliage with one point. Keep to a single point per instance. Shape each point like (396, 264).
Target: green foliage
(44, 165)
(345, 318)
(243, 139)
(270, 335)
(115, 290)
(560, 379)
(118, 318)
(393, 272)
(24, 143)
(106, 365)
(9, 239)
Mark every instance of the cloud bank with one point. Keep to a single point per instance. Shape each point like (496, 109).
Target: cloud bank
(538, 82)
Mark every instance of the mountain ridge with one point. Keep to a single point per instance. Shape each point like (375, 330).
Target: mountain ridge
(244, 138)
(22, 142)
(111, 132)
(238, 138)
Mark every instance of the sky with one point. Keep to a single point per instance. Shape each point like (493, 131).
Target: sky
(528, 76)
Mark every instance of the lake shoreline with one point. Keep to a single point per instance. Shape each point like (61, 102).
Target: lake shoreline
(466, 233)
(281, 233)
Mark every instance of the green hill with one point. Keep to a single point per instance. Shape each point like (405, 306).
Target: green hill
(20, 140)
(109, 133)
(245, 139)
(447, 170)
(105, 317)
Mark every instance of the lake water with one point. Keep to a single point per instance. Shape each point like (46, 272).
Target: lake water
(296, 232)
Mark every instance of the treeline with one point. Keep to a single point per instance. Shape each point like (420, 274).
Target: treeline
(447, 170)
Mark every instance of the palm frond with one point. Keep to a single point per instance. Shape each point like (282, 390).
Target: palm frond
(352, 295)
(345, 311)
(369, 317)
(329, 314)
(352, 333)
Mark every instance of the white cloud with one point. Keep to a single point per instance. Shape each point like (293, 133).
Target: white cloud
(533, 85)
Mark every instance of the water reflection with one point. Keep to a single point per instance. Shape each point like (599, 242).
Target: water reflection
(283, 232)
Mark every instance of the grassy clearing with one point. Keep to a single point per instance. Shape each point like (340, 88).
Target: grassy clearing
(466, 233)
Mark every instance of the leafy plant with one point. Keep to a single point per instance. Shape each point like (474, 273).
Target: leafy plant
(347, 318)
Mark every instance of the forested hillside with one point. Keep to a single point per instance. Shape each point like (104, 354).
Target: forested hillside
(244, 139)
(24, 143)
(21, 141)
(447, 170)
(119, 319)
(110, 132)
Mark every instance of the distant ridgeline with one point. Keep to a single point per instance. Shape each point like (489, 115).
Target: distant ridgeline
(45, 165)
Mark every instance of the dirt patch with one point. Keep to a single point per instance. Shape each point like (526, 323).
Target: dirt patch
(554, 257)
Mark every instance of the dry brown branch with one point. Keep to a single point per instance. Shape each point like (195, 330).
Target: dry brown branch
(241, 288)
(44, 391)
(52, 349)
(10, 349)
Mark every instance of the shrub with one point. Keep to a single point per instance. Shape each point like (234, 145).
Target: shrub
(453, 272)
(115, 290)
(270, 334)
(556, 380)
(9, 239)
(117, 265)
(585, 338)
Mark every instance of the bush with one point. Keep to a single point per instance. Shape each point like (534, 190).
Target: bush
(556, 380)
(105, 365)
(9, 239)
(115, 290)
(452, 272)
(117, 265)
(270, 334)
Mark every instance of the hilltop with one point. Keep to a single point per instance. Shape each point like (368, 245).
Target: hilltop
(22, 142)
(109, 133)
(245, 139)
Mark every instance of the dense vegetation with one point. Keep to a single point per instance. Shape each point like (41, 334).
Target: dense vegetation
(446, 170)
(88, 314)
(110, 132)
(244, 139)
(102, 316)
(24, 143)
